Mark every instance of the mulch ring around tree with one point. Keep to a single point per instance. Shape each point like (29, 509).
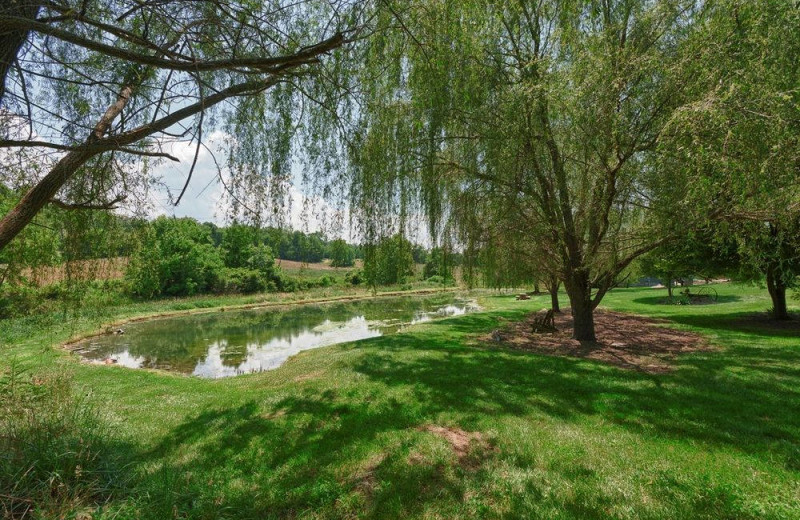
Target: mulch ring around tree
(624, 340)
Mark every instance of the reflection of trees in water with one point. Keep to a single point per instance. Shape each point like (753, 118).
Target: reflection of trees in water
(179, 343)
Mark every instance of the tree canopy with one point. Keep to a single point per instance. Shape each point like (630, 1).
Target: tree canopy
(94, 91)
(537, 119)
(550, 141)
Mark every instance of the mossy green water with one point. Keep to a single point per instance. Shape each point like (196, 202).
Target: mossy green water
(337, 432)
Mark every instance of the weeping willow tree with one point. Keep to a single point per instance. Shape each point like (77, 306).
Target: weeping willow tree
(523, 128)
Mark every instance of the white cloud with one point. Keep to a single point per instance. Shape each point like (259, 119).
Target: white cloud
(204, 198)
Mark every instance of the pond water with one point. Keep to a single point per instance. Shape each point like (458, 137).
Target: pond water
(223, 344)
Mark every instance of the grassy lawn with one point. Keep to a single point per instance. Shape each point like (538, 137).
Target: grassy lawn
(345, 431)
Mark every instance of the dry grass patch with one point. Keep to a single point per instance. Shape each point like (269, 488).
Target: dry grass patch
(470, 448)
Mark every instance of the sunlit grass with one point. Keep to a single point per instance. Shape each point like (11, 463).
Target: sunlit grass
(337, 432)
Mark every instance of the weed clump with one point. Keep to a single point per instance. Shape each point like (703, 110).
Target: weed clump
(56, 457)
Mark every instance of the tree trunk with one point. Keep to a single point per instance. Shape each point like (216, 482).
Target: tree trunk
(553, 288)
(777, 291)
(12, 41)
(40, 195)
(669, 287)
(579, 291)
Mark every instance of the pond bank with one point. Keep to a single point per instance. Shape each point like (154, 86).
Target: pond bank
(107, 328)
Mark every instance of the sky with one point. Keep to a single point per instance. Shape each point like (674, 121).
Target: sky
(204, 198)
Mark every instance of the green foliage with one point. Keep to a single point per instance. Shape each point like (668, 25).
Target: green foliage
(702, 255)
(237, 241)
(390, 262)
(355, 277)
(733, 147)
(438, 264)
(342, 254)
(533, 123)
(36, 246)
(420, 254)
(18, 300)
(144, 267)
(175, 258)
(57, 457)
(242, 280)
(260, 258)
(25, 299)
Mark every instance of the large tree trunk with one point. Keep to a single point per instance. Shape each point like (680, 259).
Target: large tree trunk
(777, 291)
(12, 41)
(579, 291)
(40, 195)
(43, 192)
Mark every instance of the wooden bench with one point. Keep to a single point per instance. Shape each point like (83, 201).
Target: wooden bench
(544, 321)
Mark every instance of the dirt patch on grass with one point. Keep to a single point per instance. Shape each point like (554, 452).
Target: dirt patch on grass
(470, 448)
(365, 480)
(624, 340)
(277, 414)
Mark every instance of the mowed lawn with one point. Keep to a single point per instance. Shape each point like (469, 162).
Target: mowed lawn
(356, 430)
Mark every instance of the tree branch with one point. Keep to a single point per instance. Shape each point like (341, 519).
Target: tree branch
(256, 65)
(88, 205)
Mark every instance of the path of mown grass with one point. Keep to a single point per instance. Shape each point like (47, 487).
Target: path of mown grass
(334, 433)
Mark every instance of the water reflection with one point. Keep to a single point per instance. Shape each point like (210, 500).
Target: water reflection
(226, 344)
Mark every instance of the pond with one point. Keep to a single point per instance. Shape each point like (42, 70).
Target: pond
(224, 344)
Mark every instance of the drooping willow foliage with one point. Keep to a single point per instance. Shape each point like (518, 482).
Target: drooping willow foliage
(522, 129)
(95, 93)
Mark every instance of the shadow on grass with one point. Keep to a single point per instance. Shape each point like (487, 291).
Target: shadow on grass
(757, 324)
(663, 299)
(307, 451)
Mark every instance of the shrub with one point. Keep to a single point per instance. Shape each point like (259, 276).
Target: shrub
(287, 283)
(242, 280)
(354, 277)
(18, 300)
(174, 257)
(55, 452)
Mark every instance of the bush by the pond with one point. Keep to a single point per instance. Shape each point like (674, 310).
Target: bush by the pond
(56, 456)
(18, 300)
(242, 280)
(174, 257)
(355, 277)
(440, 280)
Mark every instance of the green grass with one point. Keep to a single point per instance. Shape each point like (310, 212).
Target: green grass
(335, 432)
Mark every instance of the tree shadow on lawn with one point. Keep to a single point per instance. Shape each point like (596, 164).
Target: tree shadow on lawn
(663, 300)
(307, 454)
(754, 323)
(701, 400)
(308, 450)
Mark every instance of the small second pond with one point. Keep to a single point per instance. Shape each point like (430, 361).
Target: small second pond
(223, 344)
